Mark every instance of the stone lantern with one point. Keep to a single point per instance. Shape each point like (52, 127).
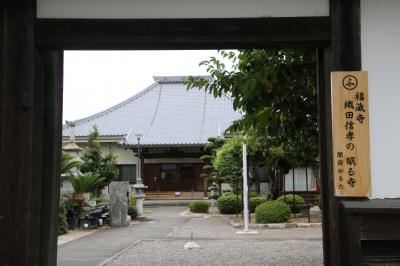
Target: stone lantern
(139, 186)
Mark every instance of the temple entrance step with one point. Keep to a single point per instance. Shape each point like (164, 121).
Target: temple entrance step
(172, 195)
(155, 203)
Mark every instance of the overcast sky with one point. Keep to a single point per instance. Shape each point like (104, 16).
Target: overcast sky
(97, 80)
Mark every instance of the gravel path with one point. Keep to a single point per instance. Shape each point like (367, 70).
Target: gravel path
(220, 245)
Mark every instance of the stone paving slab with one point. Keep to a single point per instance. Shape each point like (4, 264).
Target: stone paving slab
(220, 245)
(223, 252)
(96, 248)
(215, 228)
(160, 241)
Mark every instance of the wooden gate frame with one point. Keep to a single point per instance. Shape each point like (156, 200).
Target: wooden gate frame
(31, 102)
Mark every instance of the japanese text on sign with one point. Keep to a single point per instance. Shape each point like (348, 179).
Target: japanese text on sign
(350, 128)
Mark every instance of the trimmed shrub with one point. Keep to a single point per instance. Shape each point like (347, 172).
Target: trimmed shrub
(253, 195)
(290, 201)
(272, 212)
(132, 212)
(227, 204)
(62, 218)
(228, 193)
(255, 201)
(199, 206)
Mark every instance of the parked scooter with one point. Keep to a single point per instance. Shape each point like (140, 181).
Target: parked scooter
(98, 216)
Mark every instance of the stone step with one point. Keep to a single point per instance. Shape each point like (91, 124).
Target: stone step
(170, 195)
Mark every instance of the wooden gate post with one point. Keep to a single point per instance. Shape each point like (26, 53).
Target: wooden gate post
(30, 130)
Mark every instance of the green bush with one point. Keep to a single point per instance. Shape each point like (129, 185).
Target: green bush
(132, 212)
(255, 201)
(62, 218)
(227, 204)
(253, 195)
(228, 193)
(199, 206)
(290, 201)
(272, 212)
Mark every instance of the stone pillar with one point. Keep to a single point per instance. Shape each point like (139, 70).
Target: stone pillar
(119, 203)
(139, 195)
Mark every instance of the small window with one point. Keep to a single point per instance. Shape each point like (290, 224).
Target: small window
(263, 174)
(301, 176)
(127, 172)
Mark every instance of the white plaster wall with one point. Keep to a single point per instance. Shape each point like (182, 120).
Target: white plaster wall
(380, 32)
(180, 8)
(124, 156)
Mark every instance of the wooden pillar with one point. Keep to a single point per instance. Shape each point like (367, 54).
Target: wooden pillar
(30, 134)
(20, 170)
(343, 54)
(51, 155)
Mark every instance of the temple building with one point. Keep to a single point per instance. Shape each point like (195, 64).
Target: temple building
(172, 124)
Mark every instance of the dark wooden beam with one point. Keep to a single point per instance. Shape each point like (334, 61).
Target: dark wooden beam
(147, 34)
(325, 150)
(343, 54)
(51, 161)
(20, 135)
(346, 35)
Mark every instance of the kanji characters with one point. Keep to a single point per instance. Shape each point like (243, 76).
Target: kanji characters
(360, 118)
(348, 104)
(351, 161)
(360, 107)
(351, 182)
(350, 135)
(360, 96)
(349, 125)
(349, 115)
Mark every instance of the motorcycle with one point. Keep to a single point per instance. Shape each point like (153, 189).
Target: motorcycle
(97, 217)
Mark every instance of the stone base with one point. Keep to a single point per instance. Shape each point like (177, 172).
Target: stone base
(141, 217)
(246, 232)
(191, 245)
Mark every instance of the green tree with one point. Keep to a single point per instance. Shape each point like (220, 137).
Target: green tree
(68, 164)
(94, 162)
(276, 91)
(209, 172)
(84, 183)
(228, 162)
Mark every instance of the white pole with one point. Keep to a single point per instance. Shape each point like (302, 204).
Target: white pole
(245, 190)
(245, 196)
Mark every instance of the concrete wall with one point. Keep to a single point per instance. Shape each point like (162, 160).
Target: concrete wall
(380, 35)
(180, 8)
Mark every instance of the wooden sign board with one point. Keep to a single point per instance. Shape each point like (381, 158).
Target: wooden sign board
(350, 133)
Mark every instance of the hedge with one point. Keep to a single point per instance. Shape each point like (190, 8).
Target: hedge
(227, 204)
(272, 212)
(255, 201)
(199, 206)
(62, 218)
(289, 199)
(253, 194)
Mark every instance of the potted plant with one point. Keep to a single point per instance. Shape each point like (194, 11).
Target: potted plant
(83, 183)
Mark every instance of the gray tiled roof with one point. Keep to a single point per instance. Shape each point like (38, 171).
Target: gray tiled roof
(166, 113)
